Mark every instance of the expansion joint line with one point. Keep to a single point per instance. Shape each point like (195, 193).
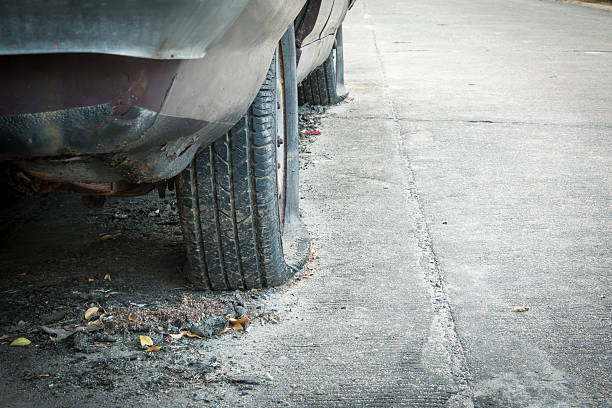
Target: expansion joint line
(443, 322)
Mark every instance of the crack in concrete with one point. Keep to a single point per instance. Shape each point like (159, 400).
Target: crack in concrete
(443, 323)
(477, 121)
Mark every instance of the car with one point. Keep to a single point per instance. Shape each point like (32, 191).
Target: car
(124, 97)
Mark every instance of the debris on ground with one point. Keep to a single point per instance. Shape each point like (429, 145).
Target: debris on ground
(20, 342)
(95, 303)
(309, 122)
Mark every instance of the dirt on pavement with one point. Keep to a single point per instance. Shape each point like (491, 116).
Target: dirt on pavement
(84, 286)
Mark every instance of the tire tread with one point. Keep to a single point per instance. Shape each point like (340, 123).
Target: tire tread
(319, 87)
(232, 233)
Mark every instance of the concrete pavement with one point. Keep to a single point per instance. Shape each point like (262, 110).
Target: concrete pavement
(504, 116)
(469, 175)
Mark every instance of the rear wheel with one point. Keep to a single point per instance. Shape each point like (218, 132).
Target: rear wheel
(238, 198)
(325, 85)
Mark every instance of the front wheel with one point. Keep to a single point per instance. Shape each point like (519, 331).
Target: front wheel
(238, 199)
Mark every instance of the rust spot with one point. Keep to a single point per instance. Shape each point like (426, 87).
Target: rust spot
(308, 22)
(120, 110)
(162, 44)
(161, 188)
(116, 189)
(28, 184)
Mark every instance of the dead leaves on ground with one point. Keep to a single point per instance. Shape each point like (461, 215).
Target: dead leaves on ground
(91, 312)
(240, 321)
(314, 253)
(146, 341)
(106, 237)
(192, 335)
(107, 277)
(97, 322)
(147, 344)
(20, 342)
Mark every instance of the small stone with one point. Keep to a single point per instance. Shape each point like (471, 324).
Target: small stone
(52, 318)
(246, 379)
(238, 299)
(240, 311)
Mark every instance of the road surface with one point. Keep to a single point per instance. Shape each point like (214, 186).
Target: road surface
(460, 206)
(470, 174)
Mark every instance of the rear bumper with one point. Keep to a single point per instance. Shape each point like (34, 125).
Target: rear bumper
(93, 144)
(161, 29)
(101, 118)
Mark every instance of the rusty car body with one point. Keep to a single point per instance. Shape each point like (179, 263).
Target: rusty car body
(107, 98)
(125, 96)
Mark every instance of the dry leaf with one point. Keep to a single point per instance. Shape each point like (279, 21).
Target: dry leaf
(91, 312)
(90, 279)
(242, 320)
(156, 211)
(224, 330)
(191, 335)
(22, 274)
(107, 236)
(176, 336)
(4, 336)
(107, 277)
(21, 341)
(145, 341)
(96, 322)
(44, 375)
(132, 318)
(237, 327)
(314, 252)
(153, 348)
(521, 309)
